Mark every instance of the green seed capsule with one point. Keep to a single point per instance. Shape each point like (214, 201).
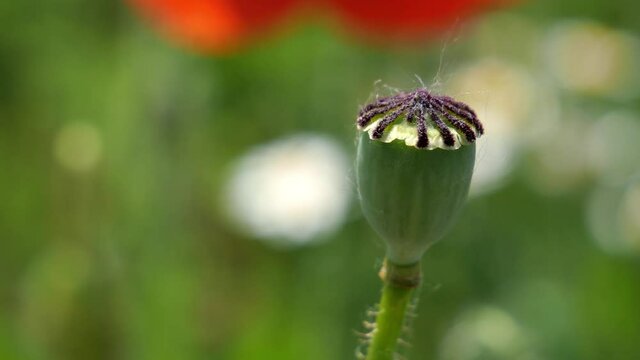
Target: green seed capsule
(410, 196)
(412, 184)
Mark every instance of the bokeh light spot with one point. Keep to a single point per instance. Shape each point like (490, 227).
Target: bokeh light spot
(558, 161)
(78, 147)
(614, 151)
(486, 332)
(630, 217)
(592, 59)
(613, 216)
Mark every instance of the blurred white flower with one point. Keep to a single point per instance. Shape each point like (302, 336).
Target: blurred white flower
(630, 217)
(592, 59)
(495, 160)
(613, 216)
(291, 191)
(78, 147)
(503, 94)
(613, 148)
(486, 332)
(558, 160)
(499, 90)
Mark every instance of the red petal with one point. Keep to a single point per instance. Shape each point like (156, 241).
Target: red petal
(215, 25)
(406, 19)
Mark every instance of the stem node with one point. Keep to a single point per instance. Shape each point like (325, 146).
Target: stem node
(400, 283)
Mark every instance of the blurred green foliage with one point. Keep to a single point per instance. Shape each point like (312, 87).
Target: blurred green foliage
(134, 260)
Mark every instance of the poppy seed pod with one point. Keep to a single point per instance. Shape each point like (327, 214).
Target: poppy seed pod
(415, 159)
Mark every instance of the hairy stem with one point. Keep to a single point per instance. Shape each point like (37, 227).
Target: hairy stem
(400, 283)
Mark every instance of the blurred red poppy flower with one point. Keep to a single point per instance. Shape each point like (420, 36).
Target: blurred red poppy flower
(220, 26)
(406, 19)
(216, 25)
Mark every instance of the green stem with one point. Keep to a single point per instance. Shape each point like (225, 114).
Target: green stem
(400, 283)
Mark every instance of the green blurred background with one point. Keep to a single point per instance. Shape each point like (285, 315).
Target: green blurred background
(137, 187)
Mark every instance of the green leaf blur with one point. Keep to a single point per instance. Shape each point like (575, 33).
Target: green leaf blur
(116, 147)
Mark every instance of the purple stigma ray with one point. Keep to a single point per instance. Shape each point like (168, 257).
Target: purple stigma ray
(377, 108)
(366, 117)
(380, 103)
(459, 125)
(423, 139)
(411, 117)
(386, 121)
(459, 104)
(442, 127)
(464, 111)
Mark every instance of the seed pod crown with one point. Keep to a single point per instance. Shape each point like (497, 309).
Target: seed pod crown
(421, 119)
